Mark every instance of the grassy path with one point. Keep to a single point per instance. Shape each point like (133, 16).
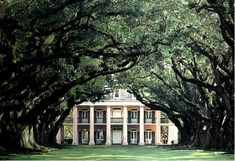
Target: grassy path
(123, 153)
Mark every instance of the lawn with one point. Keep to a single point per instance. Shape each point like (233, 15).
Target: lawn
(123, 153)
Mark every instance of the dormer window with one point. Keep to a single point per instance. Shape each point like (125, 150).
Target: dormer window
(116, 93)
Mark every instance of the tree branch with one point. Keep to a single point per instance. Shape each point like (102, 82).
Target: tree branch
(191, 80)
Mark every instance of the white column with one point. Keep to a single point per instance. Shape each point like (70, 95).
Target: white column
(172, 134)
(58, 137)
(169, 133)
(141, 125)
(91, 142)
(108, 126)
(75, 125)
(175, 136)
(158, 128)
(125, 142)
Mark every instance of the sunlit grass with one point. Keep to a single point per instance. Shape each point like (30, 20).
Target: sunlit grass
(123, 153)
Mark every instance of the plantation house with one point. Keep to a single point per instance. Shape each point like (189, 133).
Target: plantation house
(118, 119)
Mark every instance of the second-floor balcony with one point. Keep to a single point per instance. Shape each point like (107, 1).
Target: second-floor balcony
(83, 120)
(100, 120)
(133, 120)
(117, 120)
(149, 120)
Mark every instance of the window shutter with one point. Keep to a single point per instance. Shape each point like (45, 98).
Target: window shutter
(129, 116)
(80, 116)
(153, 116)
(129, 137)
(95, 113)
(88, 137)
(88, 113)
(95, 137)
(138, 116)
(144, 116)
(138, 137)
(104, 116)
(153, 137)
(80, 137)
(104, 133)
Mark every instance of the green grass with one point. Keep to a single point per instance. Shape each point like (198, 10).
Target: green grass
(123, 153)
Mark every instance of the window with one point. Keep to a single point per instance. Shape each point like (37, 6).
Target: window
(99, 114)
(134, 135)
(148, 114)
(100, 135)
(84, 114)
(116, 113)
(116, 93)
(84, 136)
(134, 114)
(148, 136)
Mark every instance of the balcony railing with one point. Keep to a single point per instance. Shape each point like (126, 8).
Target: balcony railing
(100, 120)
(133, 120)
(83, 120)
(149, 120)
(164, 120)
(117, 120)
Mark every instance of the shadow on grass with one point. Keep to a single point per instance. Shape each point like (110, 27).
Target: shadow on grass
(119, 152)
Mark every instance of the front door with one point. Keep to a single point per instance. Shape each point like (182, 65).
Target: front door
(148, 137)
(133, 137)
(99, 137)
(117, 136)
(84, 136)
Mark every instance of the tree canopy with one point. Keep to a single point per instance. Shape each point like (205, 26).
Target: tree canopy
(51, 50)
(191, 77)
(175, 56)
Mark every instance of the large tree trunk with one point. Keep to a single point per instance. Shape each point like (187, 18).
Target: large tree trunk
(216, 134)
(56, 126)
(27, 139)
(49, 126)
(185, 137)
(20, 138)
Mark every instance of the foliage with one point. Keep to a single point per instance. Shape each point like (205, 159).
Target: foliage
(57, 53)
(60, 51)
(190, 77)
